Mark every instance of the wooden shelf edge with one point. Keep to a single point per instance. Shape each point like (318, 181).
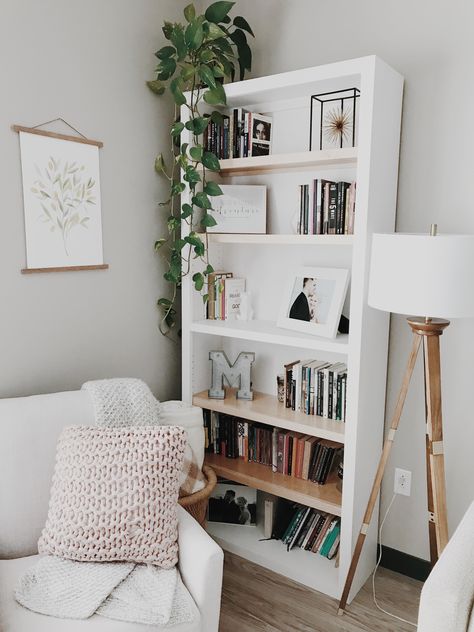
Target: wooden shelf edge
(268, 410)
(323, 497)
(278, 162)
(102, 266)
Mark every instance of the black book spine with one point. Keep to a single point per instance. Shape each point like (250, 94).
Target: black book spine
(314, 461)
(332, 208)
(321, 460)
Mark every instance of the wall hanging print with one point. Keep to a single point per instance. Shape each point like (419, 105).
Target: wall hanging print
(61, 199)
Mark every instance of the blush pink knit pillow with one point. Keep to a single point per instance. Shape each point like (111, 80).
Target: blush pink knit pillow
(114, 495)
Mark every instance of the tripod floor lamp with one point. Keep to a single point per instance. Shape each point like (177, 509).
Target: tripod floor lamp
(431, 276)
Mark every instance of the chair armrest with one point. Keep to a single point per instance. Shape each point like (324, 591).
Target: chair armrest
(201, 566)
(448, 594)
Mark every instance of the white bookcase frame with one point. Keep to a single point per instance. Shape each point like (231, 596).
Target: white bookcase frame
(375, 163)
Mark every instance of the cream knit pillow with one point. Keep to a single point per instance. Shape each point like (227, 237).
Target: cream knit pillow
(114, 495)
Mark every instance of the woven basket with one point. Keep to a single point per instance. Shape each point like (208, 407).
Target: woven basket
(196, 504)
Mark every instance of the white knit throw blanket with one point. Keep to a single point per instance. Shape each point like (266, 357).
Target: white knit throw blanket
(137, 593)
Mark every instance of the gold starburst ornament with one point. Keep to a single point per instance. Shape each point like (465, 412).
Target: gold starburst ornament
(337, 126)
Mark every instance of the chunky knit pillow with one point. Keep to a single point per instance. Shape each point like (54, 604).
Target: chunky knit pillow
(114, 495)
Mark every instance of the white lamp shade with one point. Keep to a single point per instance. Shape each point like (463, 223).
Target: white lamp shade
(423, 275)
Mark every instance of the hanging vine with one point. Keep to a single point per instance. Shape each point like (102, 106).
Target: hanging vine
(201, 55)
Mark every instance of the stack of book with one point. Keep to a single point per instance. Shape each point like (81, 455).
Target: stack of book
(290, 453)
(241, 134)
(316, 387)
(326, 208)
(224, 296)
(312, 530)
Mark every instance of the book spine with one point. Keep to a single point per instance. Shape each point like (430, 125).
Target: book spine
(275, 450)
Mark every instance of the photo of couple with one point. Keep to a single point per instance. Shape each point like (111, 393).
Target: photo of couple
(234, 504)
(311, 299)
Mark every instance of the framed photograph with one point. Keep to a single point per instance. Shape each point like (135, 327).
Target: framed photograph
(241, 209)
(261, 141)
(313, 301)
(61, 199)
(233, 504)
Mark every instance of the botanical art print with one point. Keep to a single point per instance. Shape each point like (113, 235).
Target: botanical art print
(61, 193)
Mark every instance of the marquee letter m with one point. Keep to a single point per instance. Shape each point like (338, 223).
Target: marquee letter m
(236, 375)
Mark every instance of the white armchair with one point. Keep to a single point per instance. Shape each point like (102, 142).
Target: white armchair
(29, 428)
(447, 598)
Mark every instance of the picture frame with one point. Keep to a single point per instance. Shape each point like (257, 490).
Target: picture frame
(313, 301)
(261, 135)
(240, 209)
(235, 504)
(61, 201)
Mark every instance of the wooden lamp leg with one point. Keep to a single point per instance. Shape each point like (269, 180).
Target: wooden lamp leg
(431, 330)
(380, 470)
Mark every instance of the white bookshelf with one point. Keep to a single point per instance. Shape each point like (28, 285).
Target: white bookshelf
(266, 261)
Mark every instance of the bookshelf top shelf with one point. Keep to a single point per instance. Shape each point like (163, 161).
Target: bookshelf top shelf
(285, 162)
(274, 239)
(324, 497)
(267, 409)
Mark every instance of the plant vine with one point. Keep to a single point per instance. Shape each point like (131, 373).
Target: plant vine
(201, 55)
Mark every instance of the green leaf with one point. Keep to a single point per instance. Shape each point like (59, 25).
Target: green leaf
(206, 55)
(177, 38)
(216, 117)
(242, 23)
(207, 76)
(217, 11)
(177, 188)
(177, 92)
(159, 243)
(222, 45)
(208, 221)
(196, 152)
(177, 128)
(215, 96)
(205, 298)
(173, 223)
(187, 71)
(201, 200)
(156, 87)
(164, 302)
(187, 211)
(191, 175)
(165, 52)
(194, 35)
(212, 188)
(210, 161)
(166, 68)
(184, 148)
(179, 244)
(214, 31)
(198, 279)
(209, 269)
(197, 125)
(159, 164)
(190, 12)
(167, 30)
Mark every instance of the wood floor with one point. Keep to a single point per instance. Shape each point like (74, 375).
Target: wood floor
(257, 600)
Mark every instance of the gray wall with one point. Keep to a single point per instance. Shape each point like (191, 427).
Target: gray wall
(431, 44)
(87, 62)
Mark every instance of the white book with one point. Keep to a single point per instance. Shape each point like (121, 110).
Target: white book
(268, 517)
(233, 295)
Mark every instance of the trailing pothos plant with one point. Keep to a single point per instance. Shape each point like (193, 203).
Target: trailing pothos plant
(201, 55)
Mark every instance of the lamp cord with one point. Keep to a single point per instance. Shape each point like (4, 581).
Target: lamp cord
(379, 558)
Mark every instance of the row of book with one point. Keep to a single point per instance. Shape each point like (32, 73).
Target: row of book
(326, 208)
(316, 387)
(312, 530)
(290, 453)
(224, 296)
(241, 134)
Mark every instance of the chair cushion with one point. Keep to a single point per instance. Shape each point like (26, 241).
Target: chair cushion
(29, 429)
(114, 495)
(15, 618)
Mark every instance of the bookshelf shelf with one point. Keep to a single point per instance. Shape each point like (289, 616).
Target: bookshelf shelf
(301, 566)
(266, 409)
(281, 240)
(286, 162)
(267, 331)
(324, 497)
(373, 164)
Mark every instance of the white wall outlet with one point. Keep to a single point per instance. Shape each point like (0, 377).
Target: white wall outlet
(402, 483)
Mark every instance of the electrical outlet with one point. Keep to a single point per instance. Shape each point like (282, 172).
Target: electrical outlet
(402, 483)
